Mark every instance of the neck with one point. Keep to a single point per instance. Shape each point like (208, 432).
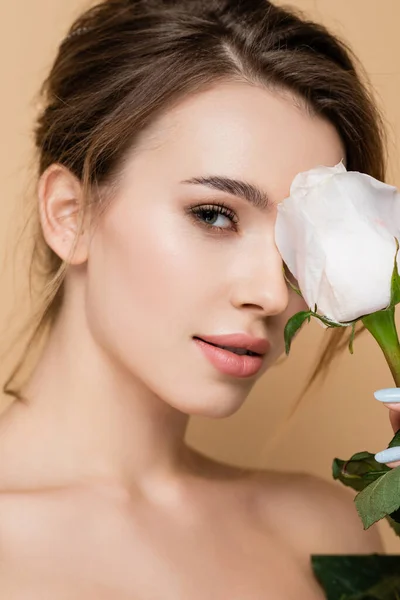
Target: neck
(87, 418)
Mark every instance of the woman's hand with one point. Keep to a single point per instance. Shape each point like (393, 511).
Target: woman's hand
(391, 399)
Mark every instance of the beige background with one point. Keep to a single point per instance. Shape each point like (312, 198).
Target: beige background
(340, 417)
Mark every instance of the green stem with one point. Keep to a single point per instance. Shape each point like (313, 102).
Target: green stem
(382, 326)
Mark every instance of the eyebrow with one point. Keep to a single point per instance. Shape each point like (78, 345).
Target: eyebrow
(247, 191)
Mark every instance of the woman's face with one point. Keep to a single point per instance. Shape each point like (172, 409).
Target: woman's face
(171, 260)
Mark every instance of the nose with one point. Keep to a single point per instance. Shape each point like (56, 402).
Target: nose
(259, 281)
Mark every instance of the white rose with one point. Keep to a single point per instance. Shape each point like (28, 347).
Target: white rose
(336, 234)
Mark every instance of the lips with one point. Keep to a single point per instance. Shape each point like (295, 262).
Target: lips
(230, 363)
(238, 341)
(238, 351)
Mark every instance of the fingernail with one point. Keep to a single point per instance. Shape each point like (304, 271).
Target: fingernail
(388, 395)
(389, 455)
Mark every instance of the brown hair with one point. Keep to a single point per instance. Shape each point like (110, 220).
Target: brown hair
(126, 61)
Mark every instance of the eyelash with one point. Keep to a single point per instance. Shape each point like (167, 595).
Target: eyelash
(198, 211)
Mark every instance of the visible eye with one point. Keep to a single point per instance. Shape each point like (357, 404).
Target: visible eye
(210, 214)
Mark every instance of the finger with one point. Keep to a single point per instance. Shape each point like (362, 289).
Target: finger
(389, 457)
(390, 397)
(394, 417)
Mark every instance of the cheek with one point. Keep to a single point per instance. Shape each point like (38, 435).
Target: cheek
(297, 304)
(278, 323)
(141, 274)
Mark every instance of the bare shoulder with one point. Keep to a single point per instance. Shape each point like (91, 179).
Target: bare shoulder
(26, 515)
(315, 515)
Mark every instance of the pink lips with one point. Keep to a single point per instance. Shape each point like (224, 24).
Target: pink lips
(239, 340)
(228, 362)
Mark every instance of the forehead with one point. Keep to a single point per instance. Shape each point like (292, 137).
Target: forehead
(243, 132)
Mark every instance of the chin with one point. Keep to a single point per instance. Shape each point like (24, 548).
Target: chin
(213, 406)
(218, 411)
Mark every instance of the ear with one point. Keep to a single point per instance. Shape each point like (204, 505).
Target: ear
(60, 203)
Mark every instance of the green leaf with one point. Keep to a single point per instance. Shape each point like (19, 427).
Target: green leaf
(295, 323)
(382, 326)
(331, 323)
(394, 518)
(380, 498)
(352, 336)
(395, 441)
(294, 288)
(361, 455)
(388, 588)
(395, 284)
(293, 326)
(357, 577)
(359, 471)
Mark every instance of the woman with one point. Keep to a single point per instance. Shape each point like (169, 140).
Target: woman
(170, 132)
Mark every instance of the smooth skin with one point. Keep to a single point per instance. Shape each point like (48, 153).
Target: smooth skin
(101, 497)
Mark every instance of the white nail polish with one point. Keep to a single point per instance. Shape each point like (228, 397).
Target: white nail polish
(388, 455)
(388, 395)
